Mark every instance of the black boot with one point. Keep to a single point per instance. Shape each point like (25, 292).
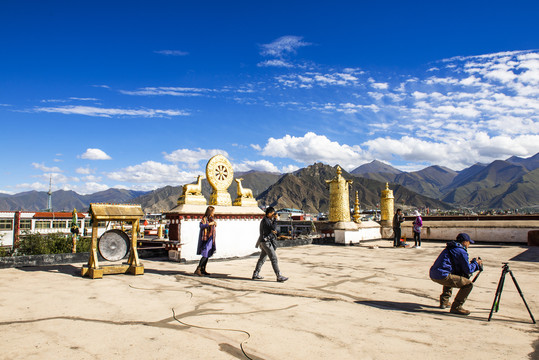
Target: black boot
(256, 276)
(203, 270)
(281, 278)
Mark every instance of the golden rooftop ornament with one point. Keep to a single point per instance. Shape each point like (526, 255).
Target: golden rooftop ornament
(220, 175)
(339, 201)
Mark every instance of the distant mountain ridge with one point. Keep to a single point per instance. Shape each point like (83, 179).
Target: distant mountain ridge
(306, 189)
(375, 167)
(64, 200)
(510, 183)
(500, 184)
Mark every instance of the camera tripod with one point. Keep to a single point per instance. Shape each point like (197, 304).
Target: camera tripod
(497, 297)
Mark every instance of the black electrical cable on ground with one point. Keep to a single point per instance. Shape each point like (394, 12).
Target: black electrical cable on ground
(185, 291)
(200, 327)
(218, 329)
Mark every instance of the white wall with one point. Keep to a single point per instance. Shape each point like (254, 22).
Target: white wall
(234, 237)
(483, 231)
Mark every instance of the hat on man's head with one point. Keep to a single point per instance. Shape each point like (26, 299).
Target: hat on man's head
(417, 213)
(464, 237)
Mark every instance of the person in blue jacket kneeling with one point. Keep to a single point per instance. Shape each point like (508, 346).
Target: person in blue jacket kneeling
(452, 269)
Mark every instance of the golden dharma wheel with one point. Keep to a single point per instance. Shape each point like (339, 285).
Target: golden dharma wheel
(219, 172)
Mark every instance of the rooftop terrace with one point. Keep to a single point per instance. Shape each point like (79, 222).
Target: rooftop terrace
(340, 303)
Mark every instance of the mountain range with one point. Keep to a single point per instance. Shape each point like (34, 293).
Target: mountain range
(510, 183)
(64, 200)
(503, 184)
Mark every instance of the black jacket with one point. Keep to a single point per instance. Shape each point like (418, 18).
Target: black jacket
(266, 227)
(397, 220)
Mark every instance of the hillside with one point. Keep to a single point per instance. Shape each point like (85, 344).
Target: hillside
(521, 193)
(428, 181)
(530, 163)
(375, 167)
(64, 200)
(487, 182)
(306, 189)
(499, 184)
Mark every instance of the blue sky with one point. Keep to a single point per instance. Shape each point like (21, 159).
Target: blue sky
(141, 94)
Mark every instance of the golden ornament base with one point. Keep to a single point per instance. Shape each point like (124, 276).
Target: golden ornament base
(220, 197)
(192, 199)
(243, 201)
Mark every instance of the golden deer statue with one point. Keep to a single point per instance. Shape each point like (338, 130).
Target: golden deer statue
(193, 189)
(243, 192)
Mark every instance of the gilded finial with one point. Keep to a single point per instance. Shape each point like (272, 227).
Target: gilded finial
(387, 186)
(339, 170)
(357, 216)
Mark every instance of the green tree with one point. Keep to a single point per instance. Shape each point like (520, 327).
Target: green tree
(55, 243)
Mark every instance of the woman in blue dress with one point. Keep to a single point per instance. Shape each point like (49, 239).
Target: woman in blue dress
(206, 240)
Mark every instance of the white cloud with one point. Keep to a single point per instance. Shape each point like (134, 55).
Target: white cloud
(455, 155)
(85, 170)
(102, 86)
(152, 172)
(91, 187)
(283, 46)
(54, 101)
(380, 86)
(95, 154)
(109, 112)
(259, 165)
(193, 157)
(311, 148)
(172, 52)
(92, 178)
(83, 99)
(44, 168)
(168, 90)
(375, 95)
(256, 147)
(58, 178)
(289, 168)
(86, 188)
(33, 186)
(308, 79)
(275, 63)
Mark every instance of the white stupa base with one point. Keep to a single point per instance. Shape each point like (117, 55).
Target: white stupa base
(366, 230)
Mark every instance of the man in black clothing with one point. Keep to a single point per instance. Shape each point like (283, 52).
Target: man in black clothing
(397, 220)
(266, 242)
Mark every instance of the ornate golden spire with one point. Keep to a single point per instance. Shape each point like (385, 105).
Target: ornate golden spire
(357, 215)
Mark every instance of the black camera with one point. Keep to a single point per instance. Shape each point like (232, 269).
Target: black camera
(480, 266)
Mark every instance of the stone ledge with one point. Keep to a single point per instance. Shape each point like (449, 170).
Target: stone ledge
(59, 259)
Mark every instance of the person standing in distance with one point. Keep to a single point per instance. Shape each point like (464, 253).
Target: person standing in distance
(397, 220)
(266, 242)
(452, 269)
(416, 228)
(206, 240)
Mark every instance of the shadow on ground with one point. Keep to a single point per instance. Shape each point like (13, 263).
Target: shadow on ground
(72, 270)
(434, 310)
(531, 255)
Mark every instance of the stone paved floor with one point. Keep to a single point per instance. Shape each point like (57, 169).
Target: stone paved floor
(340, 303)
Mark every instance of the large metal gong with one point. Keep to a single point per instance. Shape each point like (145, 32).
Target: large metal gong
(113, 245)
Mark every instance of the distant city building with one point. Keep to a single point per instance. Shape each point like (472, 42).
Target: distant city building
(41, 222)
